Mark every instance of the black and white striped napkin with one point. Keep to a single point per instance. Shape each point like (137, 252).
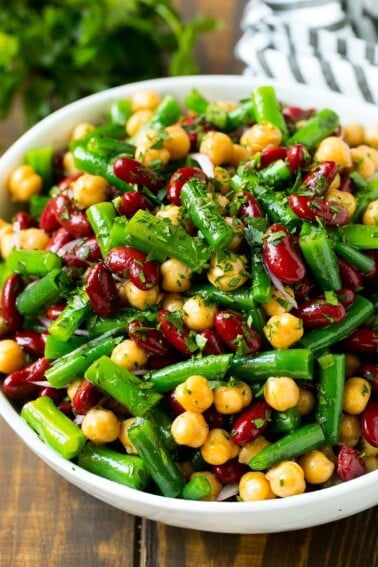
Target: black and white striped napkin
(324, 43)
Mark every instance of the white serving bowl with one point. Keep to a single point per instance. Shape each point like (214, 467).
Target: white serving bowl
(296, 512)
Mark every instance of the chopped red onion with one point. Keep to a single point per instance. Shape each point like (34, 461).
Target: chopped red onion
(204, 162)
(228, 491)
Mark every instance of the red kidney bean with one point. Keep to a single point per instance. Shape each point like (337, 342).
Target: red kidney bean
(369, 370)
(294, 113)
(349, 465)
(349, 275)
(102, 291)
(48, 221)
(65, 183)
(12, 287)
(155, 362)
(130, 202)
(66, 407)
(213, 344)
(346, 184)
(214, 418)
(303, 289)
(22, 220)
(369, 422)
(195, 126)
(178, 180)
(297, 157)
(31, 342)
(55, 394)
(20, 384)
(174, 405)
(230, 472)
(362, 340)
(83, 253)
(54, 311)
(175, 332)
(318, 313)
(249, 206)
(86, 397)
(134, 172)
(150, 339)
(251, 423)
(58, 239)
(236, 333)
(313, 208)
(320, 178)
(280, 255)
(70, 217)
(270, 154)
(132, 263)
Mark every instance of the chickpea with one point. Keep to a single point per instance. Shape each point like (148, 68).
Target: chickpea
(190, 429)
(140, 298)
(173, 302)
(371, 464)
(353, 134)
(281, 392)
(129, 355)
(218, 447)
(73, 387)
(286, 479)
(89, 189)
(150, 148)
(238, 227)
(371, 135)
(260, 136)
(176, 276)
(221, 202)
(284, 330)
(100, 425)
(178, 143)
(217, 146)
(356, 395)
(317, 467)
(223, 178)
(195, 394)
(199, 314)
(367, 449)
(232, 397)
(278, 303)
(229, 272)
(145, 100)
(343, 198)
(69, 164)
(254, 486)
(23, 183)
(240, 154)
(350, 430)
(215, 485)
(352, 362)
(252, 448)
(12, 356)
(363, 162)
(370, 215)
(306, 401)
(137, 120)
(124, 435)
(81, 130)
(171, 212)
(226, 105)
(334, 149)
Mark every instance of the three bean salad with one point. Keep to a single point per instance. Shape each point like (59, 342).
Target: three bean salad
(189, 297)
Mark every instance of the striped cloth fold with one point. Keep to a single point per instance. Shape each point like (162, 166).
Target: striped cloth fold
(317, 44)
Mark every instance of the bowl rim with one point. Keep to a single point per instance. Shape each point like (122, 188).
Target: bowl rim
(89, 482)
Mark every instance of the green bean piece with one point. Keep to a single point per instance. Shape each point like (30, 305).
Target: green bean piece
(160, 417)
(320, 257)
(319, 126)
(167, 112)
(196, 102)
(197, 488)
(98, 325)
(161, 239)
(55, 348)
(205, 214)
(76, 310)
(151, 447)
(296, 363)
(213, 367)
(284, 422)
(330, 388)
(122, 385)
(267, 108)
(261, 284)
(110, 147)
(53, 426)
(242, 115)
(364, 236)
(101, 218)
(120, 111)
(277, 174)
(321, 339)
(364, 195)
(33, 262)
(97, 164)
(358, 259)
(240, 298)
(275, 204)
(301, 441)
(41, 160)
(36, 205)
(75, 363)
(101, 460)
(216, 115)
(41, 293)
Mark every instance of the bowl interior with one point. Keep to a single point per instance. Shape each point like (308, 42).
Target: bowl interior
(296, 512)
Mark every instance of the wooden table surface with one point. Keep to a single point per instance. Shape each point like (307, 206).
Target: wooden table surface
(44, 521)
